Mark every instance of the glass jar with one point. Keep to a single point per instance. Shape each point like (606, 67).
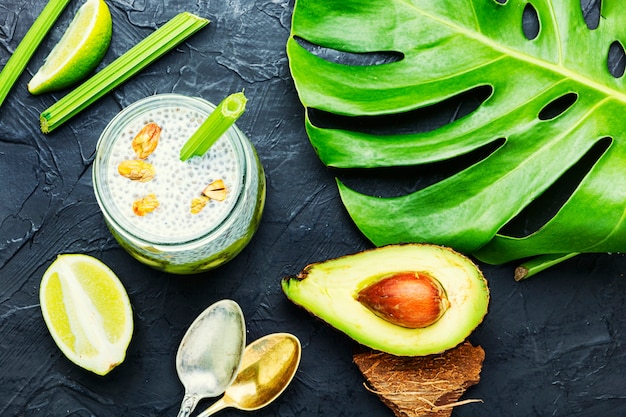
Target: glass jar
(172, 238)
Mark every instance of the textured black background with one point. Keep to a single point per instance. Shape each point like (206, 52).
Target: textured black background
(554, 344)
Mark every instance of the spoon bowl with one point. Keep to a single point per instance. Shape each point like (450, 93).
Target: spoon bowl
(210, 354)
(268, 366)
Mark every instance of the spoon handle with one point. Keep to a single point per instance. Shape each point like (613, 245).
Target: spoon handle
(187, 406)
(217, 406)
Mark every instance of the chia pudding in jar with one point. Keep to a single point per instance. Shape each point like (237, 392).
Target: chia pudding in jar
(163, 219)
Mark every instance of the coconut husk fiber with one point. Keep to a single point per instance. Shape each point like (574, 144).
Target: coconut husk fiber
(425, 386)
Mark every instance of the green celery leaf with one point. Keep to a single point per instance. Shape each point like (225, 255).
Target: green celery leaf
(445, 48)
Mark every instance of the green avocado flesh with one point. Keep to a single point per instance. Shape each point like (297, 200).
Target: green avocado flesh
(329, 289)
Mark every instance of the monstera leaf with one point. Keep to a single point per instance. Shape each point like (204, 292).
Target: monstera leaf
(552, 105)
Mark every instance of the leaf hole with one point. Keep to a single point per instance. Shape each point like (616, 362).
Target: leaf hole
(501, 1)
(350, 58)
(535, 215)
(530, 22)
(424, 119)
(399, 181)
(616, 60)
(558, 106)
(591, 12)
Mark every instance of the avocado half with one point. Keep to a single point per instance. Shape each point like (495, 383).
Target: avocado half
(329, 291)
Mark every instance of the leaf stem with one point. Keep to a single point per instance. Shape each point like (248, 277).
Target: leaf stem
(219, 121)
(540, 263)
(162, 40)
(28, 45)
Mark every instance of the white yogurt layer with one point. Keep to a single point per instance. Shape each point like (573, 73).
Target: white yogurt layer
(176, 183)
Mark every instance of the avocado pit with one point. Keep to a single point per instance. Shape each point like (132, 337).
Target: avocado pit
(409, 299)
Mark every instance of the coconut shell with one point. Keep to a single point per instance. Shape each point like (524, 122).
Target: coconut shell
(422, 386)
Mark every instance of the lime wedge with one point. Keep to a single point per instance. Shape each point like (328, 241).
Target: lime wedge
(87, 311)
(78, 52)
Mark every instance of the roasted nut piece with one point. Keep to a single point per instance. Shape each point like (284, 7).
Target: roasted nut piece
(145, 205)
(146, 140)
(198, 203)
(136, 170)
(216, 190)
(408, 299)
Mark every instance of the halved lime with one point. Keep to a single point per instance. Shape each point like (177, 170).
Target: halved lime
(79, 51)
(87, 311)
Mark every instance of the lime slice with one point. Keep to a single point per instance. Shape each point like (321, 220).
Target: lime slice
(87, 311)
(78, 52)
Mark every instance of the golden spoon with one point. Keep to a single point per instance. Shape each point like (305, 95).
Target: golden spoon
(268, 366)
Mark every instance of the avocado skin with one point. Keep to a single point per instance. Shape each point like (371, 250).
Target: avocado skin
(328, 290)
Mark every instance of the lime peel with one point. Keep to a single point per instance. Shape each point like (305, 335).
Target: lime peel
(216, 124)
(87, 312)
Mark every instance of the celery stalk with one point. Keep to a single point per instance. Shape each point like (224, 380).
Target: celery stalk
(218, 122)
(28, 45)
(162, 40)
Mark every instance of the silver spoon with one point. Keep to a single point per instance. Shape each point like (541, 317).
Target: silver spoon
(269, 364)
(210, 353)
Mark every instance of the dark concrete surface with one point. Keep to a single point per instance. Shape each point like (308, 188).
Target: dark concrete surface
(554, 343)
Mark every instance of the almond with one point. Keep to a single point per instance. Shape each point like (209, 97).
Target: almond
(146, 140)
(198, 204)
(216, 190)
(136, 170)
(145, 205)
